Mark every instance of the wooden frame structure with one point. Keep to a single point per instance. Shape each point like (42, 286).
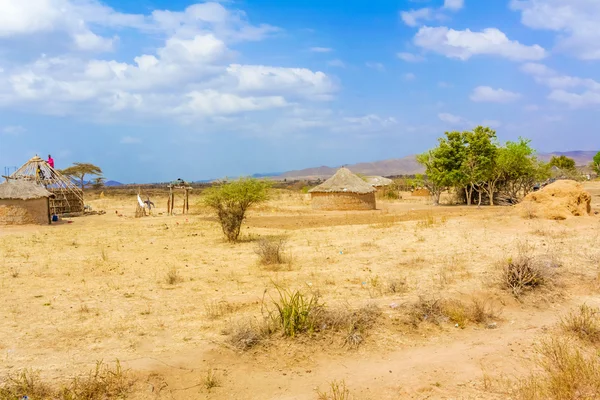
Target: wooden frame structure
(171, 199)
(68, 198)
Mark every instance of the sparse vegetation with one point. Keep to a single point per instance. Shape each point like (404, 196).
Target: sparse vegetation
(337, 391)
(173, 277)
(296, 312)
(438, 311)
(211, 380)
(523, 273)
(584, 323)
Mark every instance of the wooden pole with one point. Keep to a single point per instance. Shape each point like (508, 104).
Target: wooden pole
(187, 201)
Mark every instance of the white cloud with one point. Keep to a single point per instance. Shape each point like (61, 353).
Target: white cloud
(376, 65)
(336, 63)
(409, 76)
(465, 44)
(321, 49)
(488, 94)
(414, 17)
(130, 140)
(454, 4)
(13, 130)
(575, 21)
(452, 119)
(589, 96)
(192, 75)
(410, 57)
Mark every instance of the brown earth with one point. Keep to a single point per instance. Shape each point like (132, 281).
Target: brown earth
(96, 289)
(560, 200)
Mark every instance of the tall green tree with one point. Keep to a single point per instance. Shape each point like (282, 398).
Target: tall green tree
(80, 170)
(479, 160)
(232, 200)
(562, 162)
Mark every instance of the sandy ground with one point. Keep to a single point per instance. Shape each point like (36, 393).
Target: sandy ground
(96, 289)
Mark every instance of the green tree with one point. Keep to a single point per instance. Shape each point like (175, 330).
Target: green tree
(479, 160)
(232, 200)
(80, 170)
(563, 162)
(98, 183)
(596, 163)
(432, 180)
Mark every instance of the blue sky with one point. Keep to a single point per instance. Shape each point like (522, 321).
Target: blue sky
(153, 90)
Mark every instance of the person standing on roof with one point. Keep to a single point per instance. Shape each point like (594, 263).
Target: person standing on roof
(50, 161)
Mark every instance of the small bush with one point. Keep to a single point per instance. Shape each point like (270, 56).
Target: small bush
(585, 323)
(567, 372)
(25, 383)
(524, 273)
(337, 391)
(437, 311)
(427, 310)
(271, 251)
(211, 380)
(173, 277)
(245, 335)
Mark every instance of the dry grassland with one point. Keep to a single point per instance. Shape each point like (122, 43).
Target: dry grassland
(409, 301)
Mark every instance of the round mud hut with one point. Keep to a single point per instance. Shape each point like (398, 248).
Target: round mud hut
(24, 202)
(343, 191)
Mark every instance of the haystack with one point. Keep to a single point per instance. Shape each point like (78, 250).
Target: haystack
(68, 197)
(559, 200)
(343, 191)
(23, 202)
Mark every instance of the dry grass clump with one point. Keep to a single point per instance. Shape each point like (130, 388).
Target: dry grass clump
(104, 382)
(525, 273)
(211, 380)
(246, 334)
(337, 391)
(271, 251)
(567, 371)
(585, 323)
(438, 311)
(354, 323)
(173, 277)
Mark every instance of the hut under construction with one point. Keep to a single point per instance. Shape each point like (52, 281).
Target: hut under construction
(24, 202)
(343, 191)
(67, 199)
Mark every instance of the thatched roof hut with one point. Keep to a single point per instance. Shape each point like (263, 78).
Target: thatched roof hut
(24, 202)
(378, 181)
(343, 191)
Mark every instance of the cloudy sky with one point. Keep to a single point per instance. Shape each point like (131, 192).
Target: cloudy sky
(153, 90)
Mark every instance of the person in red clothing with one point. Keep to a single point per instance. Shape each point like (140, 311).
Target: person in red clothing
(50, 161)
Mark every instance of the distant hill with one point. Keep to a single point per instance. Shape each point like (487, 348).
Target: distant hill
(112, 183)
(409, 166)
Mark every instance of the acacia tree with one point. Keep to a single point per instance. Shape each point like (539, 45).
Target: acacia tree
(80, 170)
(231, 200)
(433, 179)
(596, 163)
(563, 162)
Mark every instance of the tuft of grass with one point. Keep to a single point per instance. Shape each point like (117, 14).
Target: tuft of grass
(173, 277)
(438, 311)
(217, 309)
(14, 272)
(337, 391)
(296, 312)
(585, 323)
(211, 380)
(244, 335)
(524, 273)
(567, 371)
(25, 383)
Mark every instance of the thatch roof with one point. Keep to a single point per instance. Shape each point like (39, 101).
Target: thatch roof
(343, 181)
(378, 181)
(22, 190)
(39, 171)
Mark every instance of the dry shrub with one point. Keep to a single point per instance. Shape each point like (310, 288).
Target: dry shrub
(104, 382)
(216, 309)
(246, 334)
(567, 371)
(354, 323)
(524, 273)
(211, 380)
(585, 323)
(337, 391)
(438, 311)
(271, 251)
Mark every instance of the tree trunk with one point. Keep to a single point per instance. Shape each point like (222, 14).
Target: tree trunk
(479, 203)
(469, 193)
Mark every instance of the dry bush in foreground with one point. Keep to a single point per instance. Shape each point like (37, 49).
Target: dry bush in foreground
(271, 251)
(211, 380)
(337, 391)
(437, 311)
(585, 323)
(567, 371)
(173, 277)
(525, 272)
(246, 334)
(104, 382)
